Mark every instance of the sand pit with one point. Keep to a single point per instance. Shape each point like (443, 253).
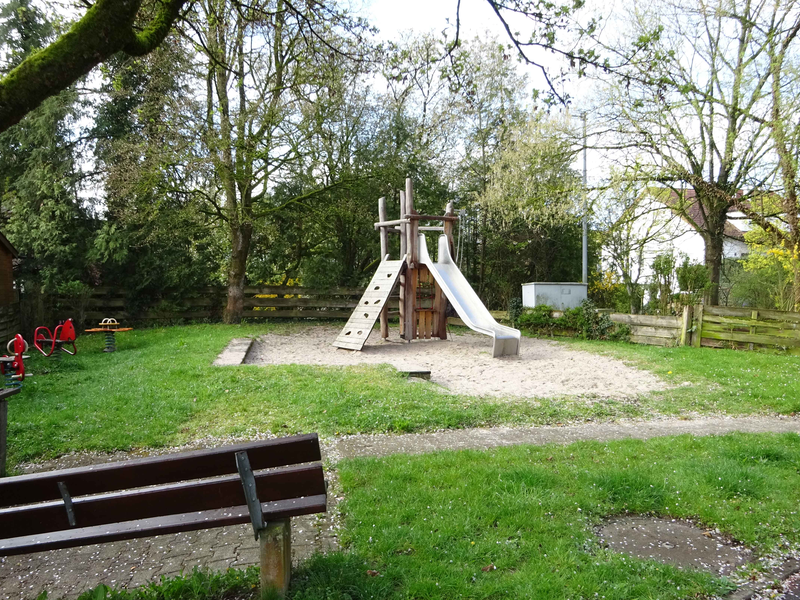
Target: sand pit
(463, 364)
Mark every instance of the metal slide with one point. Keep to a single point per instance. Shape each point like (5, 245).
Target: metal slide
(464, 299)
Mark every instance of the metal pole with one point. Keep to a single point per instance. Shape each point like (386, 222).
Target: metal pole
(585, 218)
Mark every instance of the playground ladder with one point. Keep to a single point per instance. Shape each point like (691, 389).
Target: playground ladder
(359, 326)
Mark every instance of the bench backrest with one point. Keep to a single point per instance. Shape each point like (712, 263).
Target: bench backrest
(177, 492)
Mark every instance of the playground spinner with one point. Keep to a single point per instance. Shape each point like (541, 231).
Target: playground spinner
(426, 287)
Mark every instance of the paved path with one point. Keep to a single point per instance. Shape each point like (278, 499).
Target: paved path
(67, 573)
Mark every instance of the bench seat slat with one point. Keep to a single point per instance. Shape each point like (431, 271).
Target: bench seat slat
(282, 509)
(185, 497)
(157, 470)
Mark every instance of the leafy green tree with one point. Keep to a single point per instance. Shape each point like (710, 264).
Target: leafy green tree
(262, 63)
(533, 230)
(42, 214)
(155, 240)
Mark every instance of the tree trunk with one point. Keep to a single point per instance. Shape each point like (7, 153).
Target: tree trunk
(237, 272)
(713, 260)
(796, 290)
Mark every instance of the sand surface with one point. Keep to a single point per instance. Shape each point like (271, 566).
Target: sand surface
(463, 364)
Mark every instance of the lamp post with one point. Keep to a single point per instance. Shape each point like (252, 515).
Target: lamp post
(585, 279)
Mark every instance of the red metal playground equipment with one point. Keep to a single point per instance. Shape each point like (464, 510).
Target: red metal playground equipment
(63, 334)
(12, 367)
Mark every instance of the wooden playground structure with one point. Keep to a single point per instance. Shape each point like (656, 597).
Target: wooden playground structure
(426, 288)
(423, 306)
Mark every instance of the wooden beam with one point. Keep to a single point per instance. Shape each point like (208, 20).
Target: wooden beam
(445, 218)
(686, 325)
(697, 335)
(384, 256)
(275, 549)
(158, 470)
(410, 290)
(383, 223)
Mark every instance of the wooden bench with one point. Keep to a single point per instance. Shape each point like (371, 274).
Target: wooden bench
(264, 483)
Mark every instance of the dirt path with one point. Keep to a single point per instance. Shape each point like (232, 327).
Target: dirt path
(464, 365)
(482, 439)
(67, 573)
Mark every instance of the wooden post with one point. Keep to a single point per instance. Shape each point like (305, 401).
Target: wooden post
(440, 303)
(753, 330)
(4, 395)
(3, 433)
(409, 317)
(698, 326)
(403, 275)
(403, 226)
(448, 228)
(384, 253)
(275, 546)
(686, 325)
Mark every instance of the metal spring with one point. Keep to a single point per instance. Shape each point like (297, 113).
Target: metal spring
(111, 342)
(11, 381)
(56, 355)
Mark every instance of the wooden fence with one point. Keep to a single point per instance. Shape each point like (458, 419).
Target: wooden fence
(209, 303)
(746, 328)
(9, 323)
(652, 330)
(268, 302)
(718, 327)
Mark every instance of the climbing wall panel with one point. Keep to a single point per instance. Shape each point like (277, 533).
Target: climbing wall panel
(359, 326)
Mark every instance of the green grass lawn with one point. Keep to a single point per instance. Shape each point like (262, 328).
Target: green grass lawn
(430, 526)
(729, 381)
(159, 389)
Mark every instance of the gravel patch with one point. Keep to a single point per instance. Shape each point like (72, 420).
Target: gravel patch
(463, 364)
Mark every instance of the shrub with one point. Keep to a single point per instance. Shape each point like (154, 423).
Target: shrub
(585, 322)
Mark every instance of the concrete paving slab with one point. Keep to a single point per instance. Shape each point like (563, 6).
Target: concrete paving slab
(235, 353)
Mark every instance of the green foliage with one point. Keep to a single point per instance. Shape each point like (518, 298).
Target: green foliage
(42, 214)
(768, 277)
(515, 309)
(585, 322)
(693, 281)
(199, 585)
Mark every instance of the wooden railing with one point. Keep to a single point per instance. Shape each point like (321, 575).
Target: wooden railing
(718, 327)
(652, 330)
(259, 302)
(746, 328)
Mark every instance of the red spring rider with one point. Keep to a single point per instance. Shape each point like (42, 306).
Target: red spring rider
(63, 334)
(12, 366)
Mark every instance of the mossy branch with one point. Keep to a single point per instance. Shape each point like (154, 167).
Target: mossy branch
(105, 29)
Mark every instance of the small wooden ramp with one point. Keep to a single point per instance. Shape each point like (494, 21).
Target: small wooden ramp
(359, 325)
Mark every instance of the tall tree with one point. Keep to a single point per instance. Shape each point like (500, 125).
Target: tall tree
(42, 213)
(261, 63)
(492, 105)
(695, 112)
(778, 213)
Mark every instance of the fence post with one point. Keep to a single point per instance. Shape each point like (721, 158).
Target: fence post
(686, 325)
(698, 326)
(754, 316)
